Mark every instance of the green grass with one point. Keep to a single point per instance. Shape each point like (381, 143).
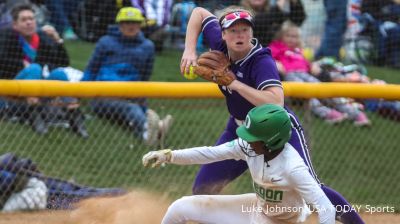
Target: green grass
(361, 163)
(166, 67)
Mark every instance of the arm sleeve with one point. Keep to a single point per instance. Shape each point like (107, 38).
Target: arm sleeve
(147, 69)
(266, 74)
(53, 54)
(9, 63)
(212, 33)
(208, 154)
(312, 193)
(62, 56)
(95, 62)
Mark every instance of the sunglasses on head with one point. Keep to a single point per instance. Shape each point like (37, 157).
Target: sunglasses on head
(233, 16)
(237, 15)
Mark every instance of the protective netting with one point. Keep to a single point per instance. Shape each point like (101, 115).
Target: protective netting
(359, 162)
(66, 138)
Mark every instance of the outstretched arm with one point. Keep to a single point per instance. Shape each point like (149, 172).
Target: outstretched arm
(192, 33)
(197, 155)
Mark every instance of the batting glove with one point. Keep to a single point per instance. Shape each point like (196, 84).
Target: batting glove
(32, 197)
(156, 158)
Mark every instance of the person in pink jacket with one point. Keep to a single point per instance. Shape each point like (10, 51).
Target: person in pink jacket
(293, 66)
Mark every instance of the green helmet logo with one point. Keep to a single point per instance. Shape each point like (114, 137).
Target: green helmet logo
(269, 123)
(247, 122)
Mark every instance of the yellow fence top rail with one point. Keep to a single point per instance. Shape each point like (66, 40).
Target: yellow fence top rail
(186, 89)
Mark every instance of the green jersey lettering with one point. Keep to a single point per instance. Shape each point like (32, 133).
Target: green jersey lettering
(268, 194)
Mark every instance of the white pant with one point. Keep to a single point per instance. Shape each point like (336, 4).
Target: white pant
(207, 209)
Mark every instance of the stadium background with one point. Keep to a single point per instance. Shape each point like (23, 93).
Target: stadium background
(361, 163)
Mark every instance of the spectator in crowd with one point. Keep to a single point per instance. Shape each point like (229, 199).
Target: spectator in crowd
(59, 17)
(156, 11)
(30, 55)
(293, 66)
(23, 187)
(215, 5)
(333, 71)
(124, 54)
(269, 18)
(335, 27)
(385, 18)
(158, 15)
(91, 18)
(41, 12)
(181, 12)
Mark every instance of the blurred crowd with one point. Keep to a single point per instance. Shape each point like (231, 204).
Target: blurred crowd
(129, 33)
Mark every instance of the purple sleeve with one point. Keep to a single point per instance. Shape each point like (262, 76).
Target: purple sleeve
(265, 73)
(212, 33)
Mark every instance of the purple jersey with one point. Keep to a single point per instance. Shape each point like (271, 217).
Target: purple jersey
(257, 69)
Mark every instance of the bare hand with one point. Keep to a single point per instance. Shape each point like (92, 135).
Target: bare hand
(51, 32)
(188, 58)
(315, 69)
(26, 63)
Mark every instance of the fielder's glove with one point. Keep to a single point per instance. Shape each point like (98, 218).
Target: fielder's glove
(156, 158)
(32, 197)
(213, 66)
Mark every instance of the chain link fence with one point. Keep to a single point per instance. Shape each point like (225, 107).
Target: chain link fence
(360, 162)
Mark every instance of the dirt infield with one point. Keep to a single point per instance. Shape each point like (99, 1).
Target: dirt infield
(133, 208)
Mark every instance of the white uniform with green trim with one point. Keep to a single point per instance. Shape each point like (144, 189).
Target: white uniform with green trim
(283, 188)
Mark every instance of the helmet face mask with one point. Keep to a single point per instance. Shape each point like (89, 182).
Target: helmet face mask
(268, 123)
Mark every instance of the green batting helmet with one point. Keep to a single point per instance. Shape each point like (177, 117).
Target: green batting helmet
(268, 123)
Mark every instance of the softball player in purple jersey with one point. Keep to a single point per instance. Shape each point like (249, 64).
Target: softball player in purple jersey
(257, 83)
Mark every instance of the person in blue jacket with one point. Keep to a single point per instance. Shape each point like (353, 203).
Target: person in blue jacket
(124, 54)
